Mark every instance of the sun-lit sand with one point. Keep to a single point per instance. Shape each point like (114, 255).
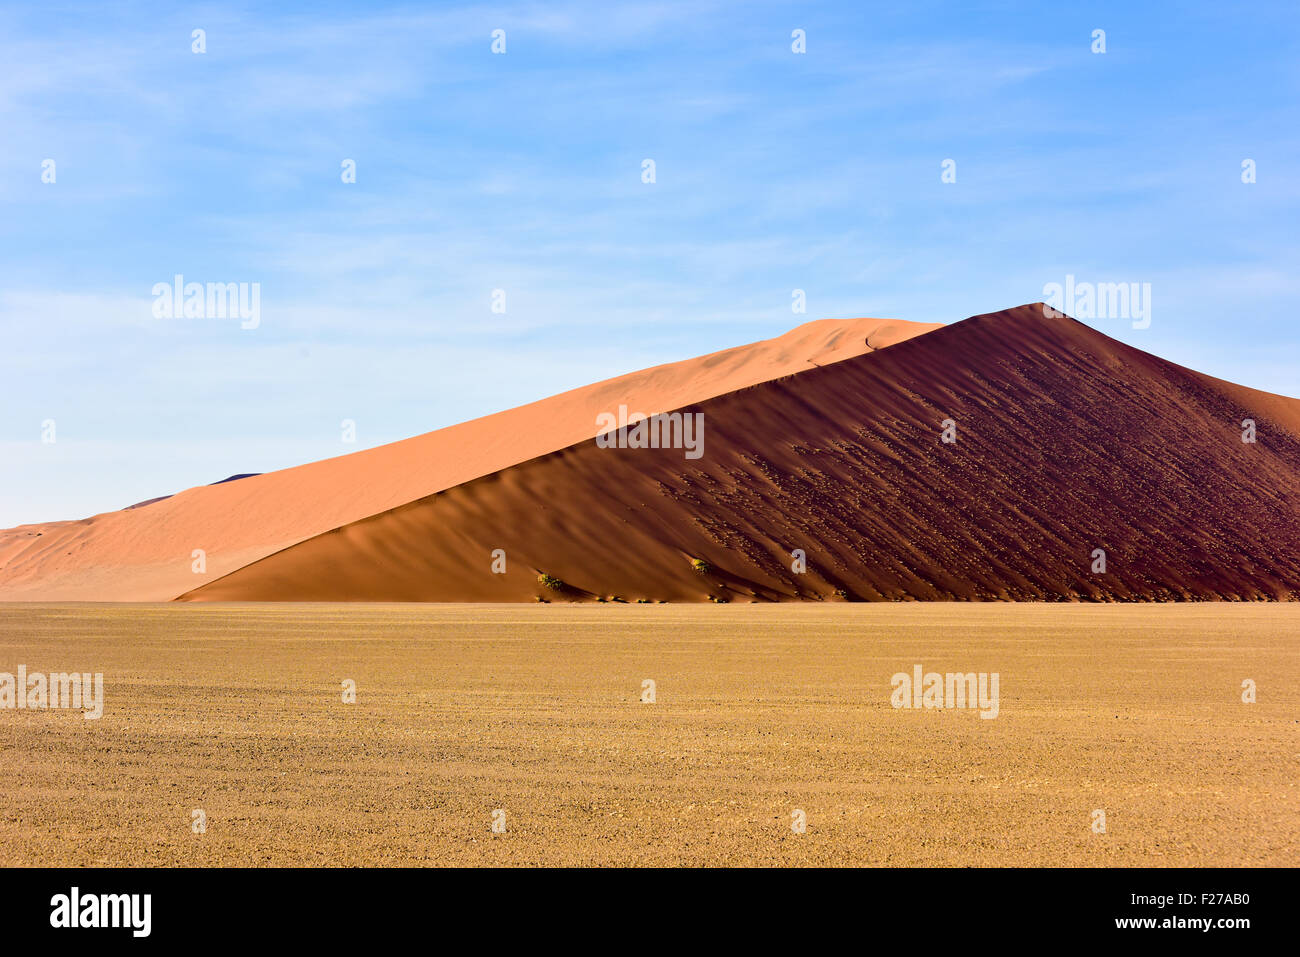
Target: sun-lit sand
(144, 554)
(760, 710)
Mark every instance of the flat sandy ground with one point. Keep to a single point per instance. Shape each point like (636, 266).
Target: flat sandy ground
(761, 710)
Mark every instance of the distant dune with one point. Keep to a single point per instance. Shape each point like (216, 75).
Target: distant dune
(1067, 442)
(143, 553)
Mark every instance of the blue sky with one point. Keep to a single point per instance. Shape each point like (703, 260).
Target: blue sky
(522, 172)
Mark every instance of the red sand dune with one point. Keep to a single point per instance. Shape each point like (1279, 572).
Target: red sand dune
(1068, 441)
(144, 553)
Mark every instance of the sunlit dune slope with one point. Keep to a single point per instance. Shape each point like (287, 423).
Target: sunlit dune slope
(144, 553)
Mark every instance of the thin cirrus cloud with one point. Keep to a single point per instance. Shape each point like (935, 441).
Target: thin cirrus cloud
(522, 172)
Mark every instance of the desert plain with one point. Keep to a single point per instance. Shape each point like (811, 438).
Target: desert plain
(532, 716)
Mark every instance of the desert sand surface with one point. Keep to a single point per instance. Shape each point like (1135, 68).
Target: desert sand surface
(144, 553)
(1067, 441)
(760, 710)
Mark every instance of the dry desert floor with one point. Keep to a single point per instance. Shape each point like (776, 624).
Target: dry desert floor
(760, 711)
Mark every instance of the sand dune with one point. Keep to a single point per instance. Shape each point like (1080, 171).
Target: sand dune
(144, 553)
(1067, 442)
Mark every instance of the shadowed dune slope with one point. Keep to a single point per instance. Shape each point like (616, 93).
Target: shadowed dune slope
(144, 553)
(1068, 441)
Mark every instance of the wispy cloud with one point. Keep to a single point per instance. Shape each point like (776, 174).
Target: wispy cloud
(522, 172)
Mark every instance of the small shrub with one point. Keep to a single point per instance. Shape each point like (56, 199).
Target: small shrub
(701, 566)
(554, 584)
